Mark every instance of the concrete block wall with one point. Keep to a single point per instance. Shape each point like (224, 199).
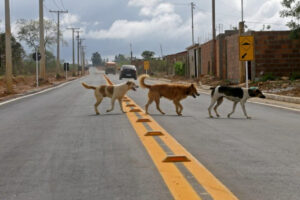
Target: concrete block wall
(232, 58)
(276, 53)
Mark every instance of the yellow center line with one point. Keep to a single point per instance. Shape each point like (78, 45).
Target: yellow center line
(174, 179)
(179, 187)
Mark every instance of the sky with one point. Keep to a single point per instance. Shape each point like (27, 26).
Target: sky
(162, 26)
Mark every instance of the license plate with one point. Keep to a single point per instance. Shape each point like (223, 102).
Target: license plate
(127, 74)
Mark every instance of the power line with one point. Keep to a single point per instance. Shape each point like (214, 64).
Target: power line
(62, 4)
(261, 22)
(58, 32)
(54, 1)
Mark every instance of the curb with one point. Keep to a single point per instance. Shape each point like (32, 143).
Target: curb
(283, 98)
(35, 92)
(270, 96)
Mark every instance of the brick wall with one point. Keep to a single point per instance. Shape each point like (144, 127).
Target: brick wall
(276, 53)
(206, 67)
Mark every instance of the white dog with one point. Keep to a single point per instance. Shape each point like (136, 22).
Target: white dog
(235, 94)
(112, 91)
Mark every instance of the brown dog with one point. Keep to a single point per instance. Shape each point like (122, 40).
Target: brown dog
(173, 92)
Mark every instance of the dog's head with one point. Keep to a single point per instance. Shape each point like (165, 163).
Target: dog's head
(254, 92)
(131, 85)
(192, 91)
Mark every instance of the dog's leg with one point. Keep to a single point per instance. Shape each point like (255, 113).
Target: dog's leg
(213, 101)
(157, 101)
(180, 108)
(96, 106)
(244, 109)
(219, 101)
(177, 107)
(112, 104)
(233, 109)
(121, 106)
(150, 100)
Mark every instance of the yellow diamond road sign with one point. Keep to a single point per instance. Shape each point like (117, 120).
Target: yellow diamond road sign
(146, 65)
(246, 44)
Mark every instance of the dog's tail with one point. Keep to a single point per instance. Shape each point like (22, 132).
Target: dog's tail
(88, 86)
(142, 81)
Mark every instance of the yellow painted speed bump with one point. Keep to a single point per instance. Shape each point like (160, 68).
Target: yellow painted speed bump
(154, 133)
(176, 159)
(143, 120)
(135, 110)
(130, 105)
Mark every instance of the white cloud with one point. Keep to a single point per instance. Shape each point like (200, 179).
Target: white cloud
(164, 23)
(69, 19)
(143, 3)
(268, 14)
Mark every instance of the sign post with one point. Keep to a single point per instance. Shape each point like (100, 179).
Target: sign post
(37, 56)
(246, 44)
(66, 68)
(146, 66)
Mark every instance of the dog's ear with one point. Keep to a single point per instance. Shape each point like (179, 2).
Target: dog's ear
(128, 83)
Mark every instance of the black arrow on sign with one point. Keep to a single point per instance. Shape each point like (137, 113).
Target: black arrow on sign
(246, 43)
(243, 56)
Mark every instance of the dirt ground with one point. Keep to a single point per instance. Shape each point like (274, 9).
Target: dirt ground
(26, 84)
(281, 87)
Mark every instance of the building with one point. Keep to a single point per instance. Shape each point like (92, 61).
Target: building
(274, 52)
(194, 60)
(173, 58)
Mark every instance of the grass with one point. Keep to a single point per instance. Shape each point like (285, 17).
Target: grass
(268, 77)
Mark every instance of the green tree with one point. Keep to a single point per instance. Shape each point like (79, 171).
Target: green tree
(120, 58)
(292, 10)
(148, 55)
(96, 59)
(29, 32)
(18, 53)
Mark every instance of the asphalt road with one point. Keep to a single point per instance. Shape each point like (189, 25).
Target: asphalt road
(53, 146)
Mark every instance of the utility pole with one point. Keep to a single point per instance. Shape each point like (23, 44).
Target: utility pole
(58, 54)
(8, 59)
(81, 53)
(241, 31)
(131, 53)
(42, 42)
(73, 48)
(242, 10)
(192, 12)
(213, 49)
(78, 48)
(83, 59)
(161, 51)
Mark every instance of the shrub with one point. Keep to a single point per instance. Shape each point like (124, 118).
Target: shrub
(179, 68)
(294, 76)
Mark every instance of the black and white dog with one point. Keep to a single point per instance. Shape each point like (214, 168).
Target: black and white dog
(235, 94)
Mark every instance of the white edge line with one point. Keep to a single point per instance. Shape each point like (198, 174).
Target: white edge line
(36, 93)
(266, 104)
